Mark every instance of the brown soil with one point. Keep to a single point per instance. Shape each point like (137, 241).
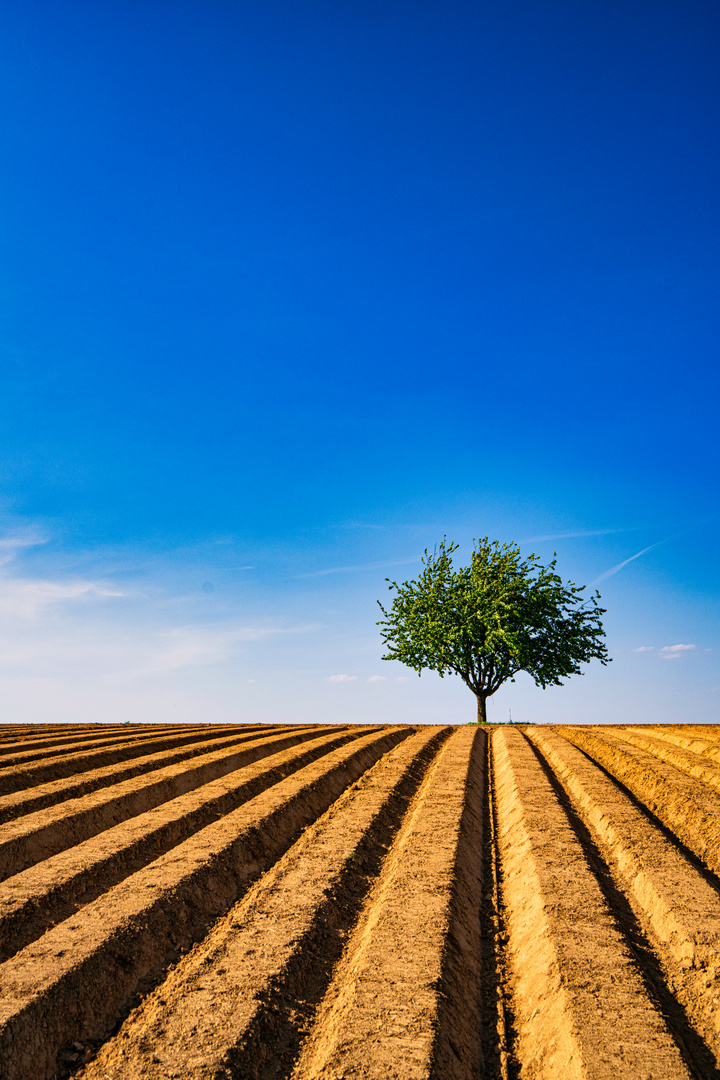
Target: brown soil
(694, 762)
(34, 900)
(324, 902)
(225, 1000)
(39, 835)
(405, 998)
(32, 746)
(24, 777)
(573, 975)
(683, 804)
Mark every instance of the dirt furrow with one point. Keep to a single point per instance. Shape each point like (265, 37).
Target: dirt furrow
(688, 762)
(16, 731)
(580, 1006)
(123, 766)
(37, 836)
(74, 981)
(705, 747)
(682, 804)
(24, 754)
(317, 902)
(405, 999)
(240, 1001)
(34, 746)
(494, 979)
(25, 732)
(36, 899)
(678, 910)
(49, 726)
(19, 779)
(46, 734)
(706, 731)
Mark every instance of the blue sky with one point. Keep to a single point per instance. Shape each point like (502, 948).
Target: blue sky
(289, 291)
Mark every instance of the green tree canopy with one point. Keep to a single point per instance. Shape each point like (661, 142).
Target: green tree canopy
(488, 621)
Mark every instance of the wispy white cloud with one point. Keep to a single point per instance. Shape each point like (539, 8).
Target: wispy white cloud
(127, 653)
(340, 678)
(21, 540)
(183, 647)
(361, 566)
(615, 569)
(572, 535)
(377, 678)
(25, 598)
(58, 628)
(365, 525)
(674, 652)
(10, 545)
(201, 646)
(644, 648)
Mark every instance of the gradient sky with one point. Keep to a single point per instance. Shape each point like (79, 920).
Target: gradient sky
(291, 290)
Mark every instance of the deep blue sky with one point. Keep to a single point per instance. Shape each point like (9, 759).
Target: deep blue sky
(304, 286)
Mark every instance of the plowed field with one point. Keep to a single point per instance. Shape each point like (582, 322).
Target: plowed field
(334, 902)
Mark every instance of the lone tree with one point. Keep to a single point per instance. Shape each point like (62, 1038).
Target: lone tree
(488, 621)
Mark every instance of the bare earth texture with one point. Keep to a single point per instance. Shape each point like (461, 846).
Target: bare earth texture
(316, 903)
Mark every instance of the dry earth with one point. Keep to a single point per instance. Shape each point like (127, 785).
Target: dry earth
(346, 902)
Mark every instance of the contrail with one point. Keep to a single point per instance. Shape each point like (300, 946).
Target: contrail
(571, 535)
(674, 536)
(614, 569)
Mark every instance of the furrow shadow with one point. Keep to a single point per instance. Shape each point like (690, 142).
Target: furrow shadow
(712, 879)
(494, 1003)
(46, 894)
(271, 1045)
(698, 1057)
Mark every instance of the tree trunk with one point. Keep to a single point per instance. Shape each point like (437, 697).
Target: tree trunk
(482, 711)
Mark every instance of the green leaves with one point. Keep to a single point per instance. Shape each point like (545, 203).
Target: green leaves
(487, 621)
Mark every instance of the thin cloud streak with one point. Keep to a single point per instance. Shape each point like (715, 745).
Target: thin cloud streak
(673, 536)
(25, 598)
(362, 566)
(615, 569)
(10, 545)
(116, 654)
(573, 535)
(14, 542)
(198, 646)
(365, 525)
